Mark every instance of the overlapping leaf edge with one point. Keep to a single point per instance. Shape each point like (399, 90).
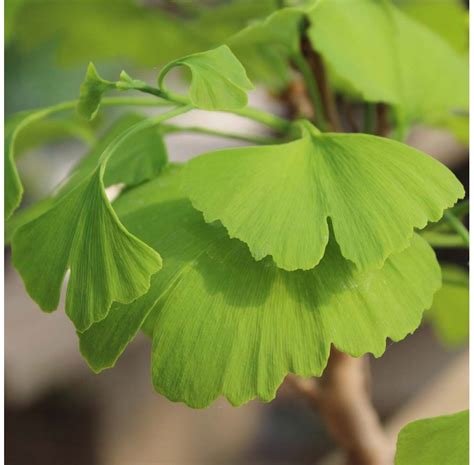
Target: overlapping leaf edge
(230, 397)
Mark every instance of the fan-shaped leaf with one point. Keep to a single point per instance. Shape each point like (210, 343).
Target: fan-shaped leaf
(80, 231)
(278, 198)
(389, 57)
(141, 157)
(265, 47)
(435, 441)
(219, 81)
(14, 126)
(92, 89)
(226, 325)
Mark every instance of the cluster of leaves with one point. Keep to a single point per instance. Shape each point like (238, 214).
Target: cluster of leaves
(246, 264)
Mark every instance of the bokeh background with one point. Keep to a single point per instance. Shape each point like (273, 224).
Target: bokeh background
(57, 411)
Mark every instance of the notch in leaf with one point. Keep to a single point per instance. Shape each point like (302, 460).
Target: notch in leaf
(279, 198)
(219, 81)
(92, 89)
(224, 324)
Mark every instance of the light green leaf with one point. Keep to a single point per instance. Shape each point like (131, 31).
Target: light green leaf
(226, 325)
(92, 89)
(447, 18)
(450, 311)
(141, 157)
(435, 441)
(389, 57)
(219, 81)
(14, 127)
(265, 47)
(278, 198)
(81, 232)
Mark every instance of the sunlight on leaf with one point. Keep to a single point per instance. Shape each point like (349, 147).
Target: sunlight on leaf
(219, 81)
(278, 198)
(224, 324)
(435, 441)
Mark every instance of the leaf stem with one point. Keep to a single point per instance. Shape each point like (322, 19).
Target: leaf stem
(313, 91)
(261, 116)
(169, 129)
(457, 226)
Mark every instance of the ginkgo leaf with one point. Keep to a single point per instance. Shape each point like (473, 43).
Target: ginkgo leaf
(224, 324)
(14, 126)
(265, 47)
(92, 89)
(278, 198)
(449, 314)
(219, 81)
(81, 232)
(435, 441)
(389, 57)
(141, 157)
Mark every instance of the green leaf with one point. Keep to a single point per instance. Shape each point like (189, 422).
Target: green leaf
(81, 232)
(141, 156)
(224, 324)
(265, 47)
(219, 81)
(448, 18)
(14, 126)
(388, 57)
(435, 441)
(449, 314)
(278, 198)
(92, 89)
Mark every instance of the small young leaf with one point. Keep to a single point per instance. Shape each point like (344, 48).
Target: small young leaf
(223, 324)
(450, 311)
(91, 92)
(278, 198)
(219, 81)
(435, 441)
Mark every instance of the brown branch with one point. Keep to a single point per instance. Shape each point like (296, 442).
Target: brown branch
(317, 66)
(382, 126)
(343, 401)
